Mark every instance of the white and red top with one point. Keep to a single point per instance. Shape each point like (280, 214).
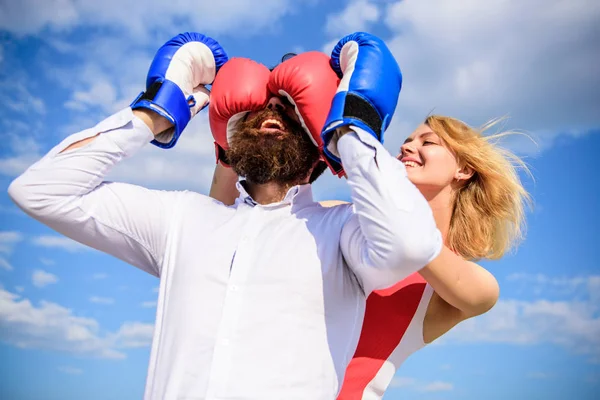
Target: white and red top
(392, 330)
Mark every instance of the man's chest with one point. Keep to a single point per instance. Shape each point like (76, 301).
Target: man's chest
(257, 257)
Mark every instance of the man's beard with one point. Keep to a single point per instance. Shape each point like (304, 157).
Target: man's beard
(262, 157)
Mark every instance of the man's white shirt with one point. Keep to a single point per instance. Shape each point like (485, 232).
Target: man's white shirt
(256, 301)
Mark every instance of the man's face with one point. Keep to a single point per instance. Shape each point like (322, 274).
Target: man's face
(271, 146)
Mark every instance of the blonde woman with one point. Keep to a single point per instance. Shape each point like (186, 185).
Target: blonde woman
(478, 203)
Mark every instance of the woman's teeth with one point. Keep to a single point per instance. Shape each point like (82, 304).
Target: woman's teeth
(411, 164)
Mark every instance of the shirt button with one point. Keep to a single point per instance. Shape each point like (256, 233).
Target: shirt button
(233, 288)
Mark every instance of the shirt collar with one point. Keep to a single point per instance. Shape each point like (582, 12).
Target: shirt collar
(296, 196)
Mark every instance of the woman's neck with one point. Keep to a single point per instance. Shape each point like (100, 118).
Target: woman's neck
(441, 206)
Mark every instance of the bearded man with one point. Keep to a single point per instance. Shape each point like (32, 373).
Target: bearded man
(263, 299)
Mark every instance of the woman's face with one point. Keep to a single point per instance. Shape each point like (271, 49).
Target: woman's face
(430, 164)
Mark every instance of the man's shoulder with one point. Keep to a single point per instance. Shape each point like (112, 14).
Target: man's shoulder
(189, 198)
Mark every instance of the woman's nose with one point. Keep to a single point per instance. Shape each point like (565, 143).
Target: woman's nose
(407, 148)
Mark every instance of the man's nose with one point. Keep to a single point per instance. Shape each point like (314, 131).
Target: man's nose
(275, 103)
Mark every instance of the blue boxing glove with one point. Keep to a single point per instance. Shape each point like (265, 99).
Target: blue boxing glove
(368, 91)
(175, 86)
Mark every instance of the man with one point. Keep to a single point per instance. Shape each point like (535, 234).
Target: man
(264, 299)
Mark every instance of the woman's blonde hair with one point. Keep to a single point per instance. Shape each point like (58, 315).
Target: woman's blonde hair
(488, 216)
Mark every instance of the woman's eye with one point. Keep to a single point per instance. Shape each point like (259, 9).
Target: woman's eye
(428, 142)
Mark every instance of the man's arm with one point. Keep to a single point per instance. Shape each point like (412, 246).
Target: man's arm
(152, 120)
(392, 233)
(65, 190)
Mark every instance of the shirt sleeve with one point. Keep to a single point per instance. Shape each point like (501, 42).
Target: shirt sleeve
(66, 191)
(391, 233)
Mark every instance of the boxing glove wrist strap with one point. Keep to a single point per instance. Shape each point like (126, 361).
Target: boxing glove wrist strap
(355, 107)
(166, 99)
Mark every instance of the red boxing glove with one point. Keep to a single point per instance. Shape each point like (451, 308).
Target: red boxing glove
(240, 87)
(309, 83)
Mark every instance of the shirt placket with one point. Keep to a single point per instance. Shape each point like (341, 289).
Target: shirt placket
(224, 347)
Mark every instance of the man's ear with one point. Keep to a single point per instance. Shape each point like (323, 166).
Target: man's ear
(464, 173)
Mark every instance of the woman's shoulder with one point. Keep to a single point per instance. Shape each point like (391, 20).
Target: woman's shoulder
(332, 203)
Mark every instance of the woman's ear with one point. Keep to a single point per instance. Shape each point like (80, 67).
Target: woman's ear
(464, 173)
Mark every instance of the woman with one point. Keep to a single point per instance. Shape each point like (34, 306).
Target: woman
(478, 203)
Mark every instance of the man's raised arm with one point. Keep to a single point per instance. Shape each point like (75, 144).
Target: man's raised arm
(392, 233)
(66, 190)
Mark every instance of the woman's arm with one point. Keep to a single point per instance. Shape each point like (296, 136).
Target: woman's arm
(463, 290)
(223, 185)
(332, 203)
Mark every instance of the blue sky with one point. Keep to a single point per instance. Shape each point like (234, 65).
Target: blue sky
(75, 323)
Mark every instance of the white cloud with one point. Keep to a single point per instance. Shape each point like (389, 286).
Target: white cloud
(8, 240)
(437, 386)
(401, 381)
(15, 165)
(420, 386)
(70, 370)
(533, 61)
(569, 282)
(111, 72)
(102, 300)
(31, 15)
(555, 286)
(101, 94)
(148, 304)
(99, 276)
(50, 326)
(236, 16)
(593, 287)
(358, 15)
(574, 325)
(21, 127)
(58, 242)
(329, 46)
(134, 334)
(5, 265)
(47, 261)
(41, 278)
(189, 165)
(19, 289)
(17, 97)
